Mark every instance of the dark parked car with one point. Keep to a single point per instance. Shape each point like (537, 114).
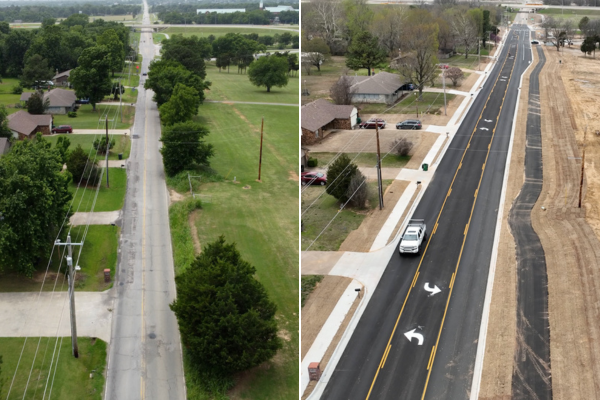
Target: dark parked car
(535, 42)
(409, 124)
(407, 86)
(144, 73)
(62, 129)
(370, 124)
(82, 101)
(316, 178)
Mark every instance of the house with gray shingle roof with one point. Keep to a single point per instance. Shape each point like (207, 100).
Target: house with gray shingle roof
(382, 87)
(61, 100)
(321, 116)
(24, 125)
(62, 79)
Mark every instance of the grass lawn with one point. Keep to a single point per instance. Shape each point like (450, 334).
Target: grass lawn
(109, 199)
(309, 282)
(132, 80)
(237, 87)
(158, 37)
(260, 217)
(460, 61)
(319, 82)
(122, 145)
(6, 97)
(99, 252)
(72, 376)
(207, 30)
(431, 103)
(89, 119)
(364, 159)
(567, 12)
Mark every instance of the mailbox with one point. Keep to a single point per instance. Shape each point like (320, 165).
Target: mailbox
(314, 371)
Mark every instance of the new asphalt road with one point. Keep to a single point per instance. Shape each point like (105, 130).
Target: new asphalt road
(412, 341)
(145, 359)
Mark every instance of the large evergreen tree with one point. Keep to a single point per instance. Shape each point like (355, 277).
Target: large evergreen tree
(226, 319)
(339, 176)
(365, 52)
(183, 147)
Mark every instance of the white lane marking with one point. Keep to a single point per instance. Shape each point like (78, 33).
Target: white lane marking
(432, 290)
(412, 334)
(484, 129)
(487, 120)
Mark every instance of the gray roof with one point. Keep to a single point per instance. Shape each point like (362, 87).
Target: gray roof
(381, 83)
(57, 97)
(25, 123)
(62, 74)
(321, 112)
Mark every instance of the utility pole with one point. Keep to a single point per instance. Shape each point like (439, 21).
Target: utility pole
(444, 84)
(582, 168)
(262, 124)
(379, 183)
(106, 120)
(71, 291)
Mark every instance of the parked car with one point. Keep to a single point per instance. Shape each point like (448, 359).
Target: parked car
(62, 129)
(370, 124)
(407, 86)
(82, 101)
(144, 73)
(535, 42)
(314, 178)
(409, 124)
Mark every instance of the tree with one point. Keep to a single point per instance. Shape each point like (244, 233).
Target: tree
(583, 23)
(100, 144)
(387, 27)
(364, 52)
(117, 90)
(4, 131)
(36, 103)
(588, 46)
(358, 190)
(401, 147)
(555, 33)
(183, 147)
(420, 65)
(82, 169)
(341, 92)
(339, 175)
(323, 18)
(91, 78)
(315, 52)
(465, 30)
(16, 45)
(62, 146)
(35, 69)
(164, 75)
(455, 74)
(188, 51)
(285, 38)
(226, 319)
(269, 71)
(34, 203)
(181, 106)
(116, 50)
(358, 17)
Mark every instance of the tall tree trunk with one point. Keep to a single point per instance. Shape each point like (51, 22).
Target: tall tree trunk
(268, 89)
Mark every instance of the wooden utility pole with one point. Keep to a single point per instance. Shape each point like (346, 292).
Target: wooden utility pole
(262, 124)
(582, 168)
(106, 121)
(379, 183)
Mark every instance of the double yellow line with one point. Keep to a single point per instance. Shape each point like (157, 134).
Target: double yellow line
(434, 348)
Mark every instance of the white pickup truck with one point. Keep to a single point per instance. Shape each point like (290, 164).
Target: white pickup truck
(414, 236)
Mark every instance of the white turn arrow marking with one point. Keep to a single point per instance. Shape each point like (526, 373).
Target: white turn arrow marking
(484, 129)
(412, 334)
(488, 120)
(433, 290)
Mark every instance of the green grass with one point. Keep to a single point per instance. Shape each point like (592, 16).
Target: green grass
(158, 37)
(183, 247)
(109, 199)
(309, 282)
(6, 97)
(567, 12)
(237, 87)
(431, 103)
(122, 145)
(364, 159)
(132, 80)
(99, 252)
(261, 219)
(88, 119)
(207, 30)
(72, 378)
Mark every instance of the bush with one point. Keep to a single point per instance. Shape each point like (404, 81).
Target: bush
(312, 162)
(401, 147)
(100, 144)
(358, 190)
(455, 75)
(81, 168)
(72, 114)
(281, 46)
(339, 175)
(17, 89)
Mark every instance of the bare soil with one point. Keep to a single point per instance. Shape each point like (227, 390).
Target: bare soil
(318, 306)
(192, 222)
(175, 197)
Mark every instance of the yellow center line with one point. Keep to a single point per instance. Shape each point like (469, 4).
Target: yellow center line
(465, 237)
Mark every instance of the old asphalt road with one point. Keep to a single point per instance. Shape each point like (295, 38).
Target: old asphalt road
(145, 360)
(412, 343)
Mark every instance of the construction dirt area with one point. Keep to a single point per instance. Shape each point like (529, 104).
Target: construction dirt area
(569, 86)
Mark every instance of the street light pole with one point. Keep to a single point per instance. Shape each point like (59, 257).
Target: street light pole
(444, 84)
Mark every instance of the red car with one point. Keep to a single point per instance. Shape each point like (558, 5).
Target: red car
(63, 129)
(370, 124)
(316, 178)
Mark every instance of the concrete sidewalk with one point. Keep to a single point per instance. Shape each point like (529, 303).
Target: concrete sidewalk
(101, 131)
(47, 314)
(96, 218)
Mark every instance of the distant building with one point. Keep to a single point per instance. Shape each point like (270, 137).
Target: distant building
(62, 79)
(24, 125)
(4, 146)
(383, 87)
(278, 9)
(219, 10)
(320, 117)
(61, 101)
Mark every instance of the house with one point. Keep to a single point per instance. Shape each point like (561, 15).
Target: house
(382, 87)
(62, 79)
(24, 125)
(4, 146)
(61, 100)
(321, 116)
(219, 10)
(278, 9)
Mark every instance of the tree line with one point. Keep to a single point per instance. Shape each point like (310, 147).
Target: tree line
(42, 12)
(254, 17)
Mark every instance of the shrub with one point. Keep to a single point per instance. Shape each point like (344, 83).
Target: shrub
(17, 89)
(72, 114)
(455, 75)
(100, 144)
(358, 190)
(401, 147)
(339, 175)
(312, 162)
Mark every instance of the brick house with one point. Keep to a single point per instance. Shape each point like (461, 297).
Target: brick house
(24, 125)
(321, 116)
